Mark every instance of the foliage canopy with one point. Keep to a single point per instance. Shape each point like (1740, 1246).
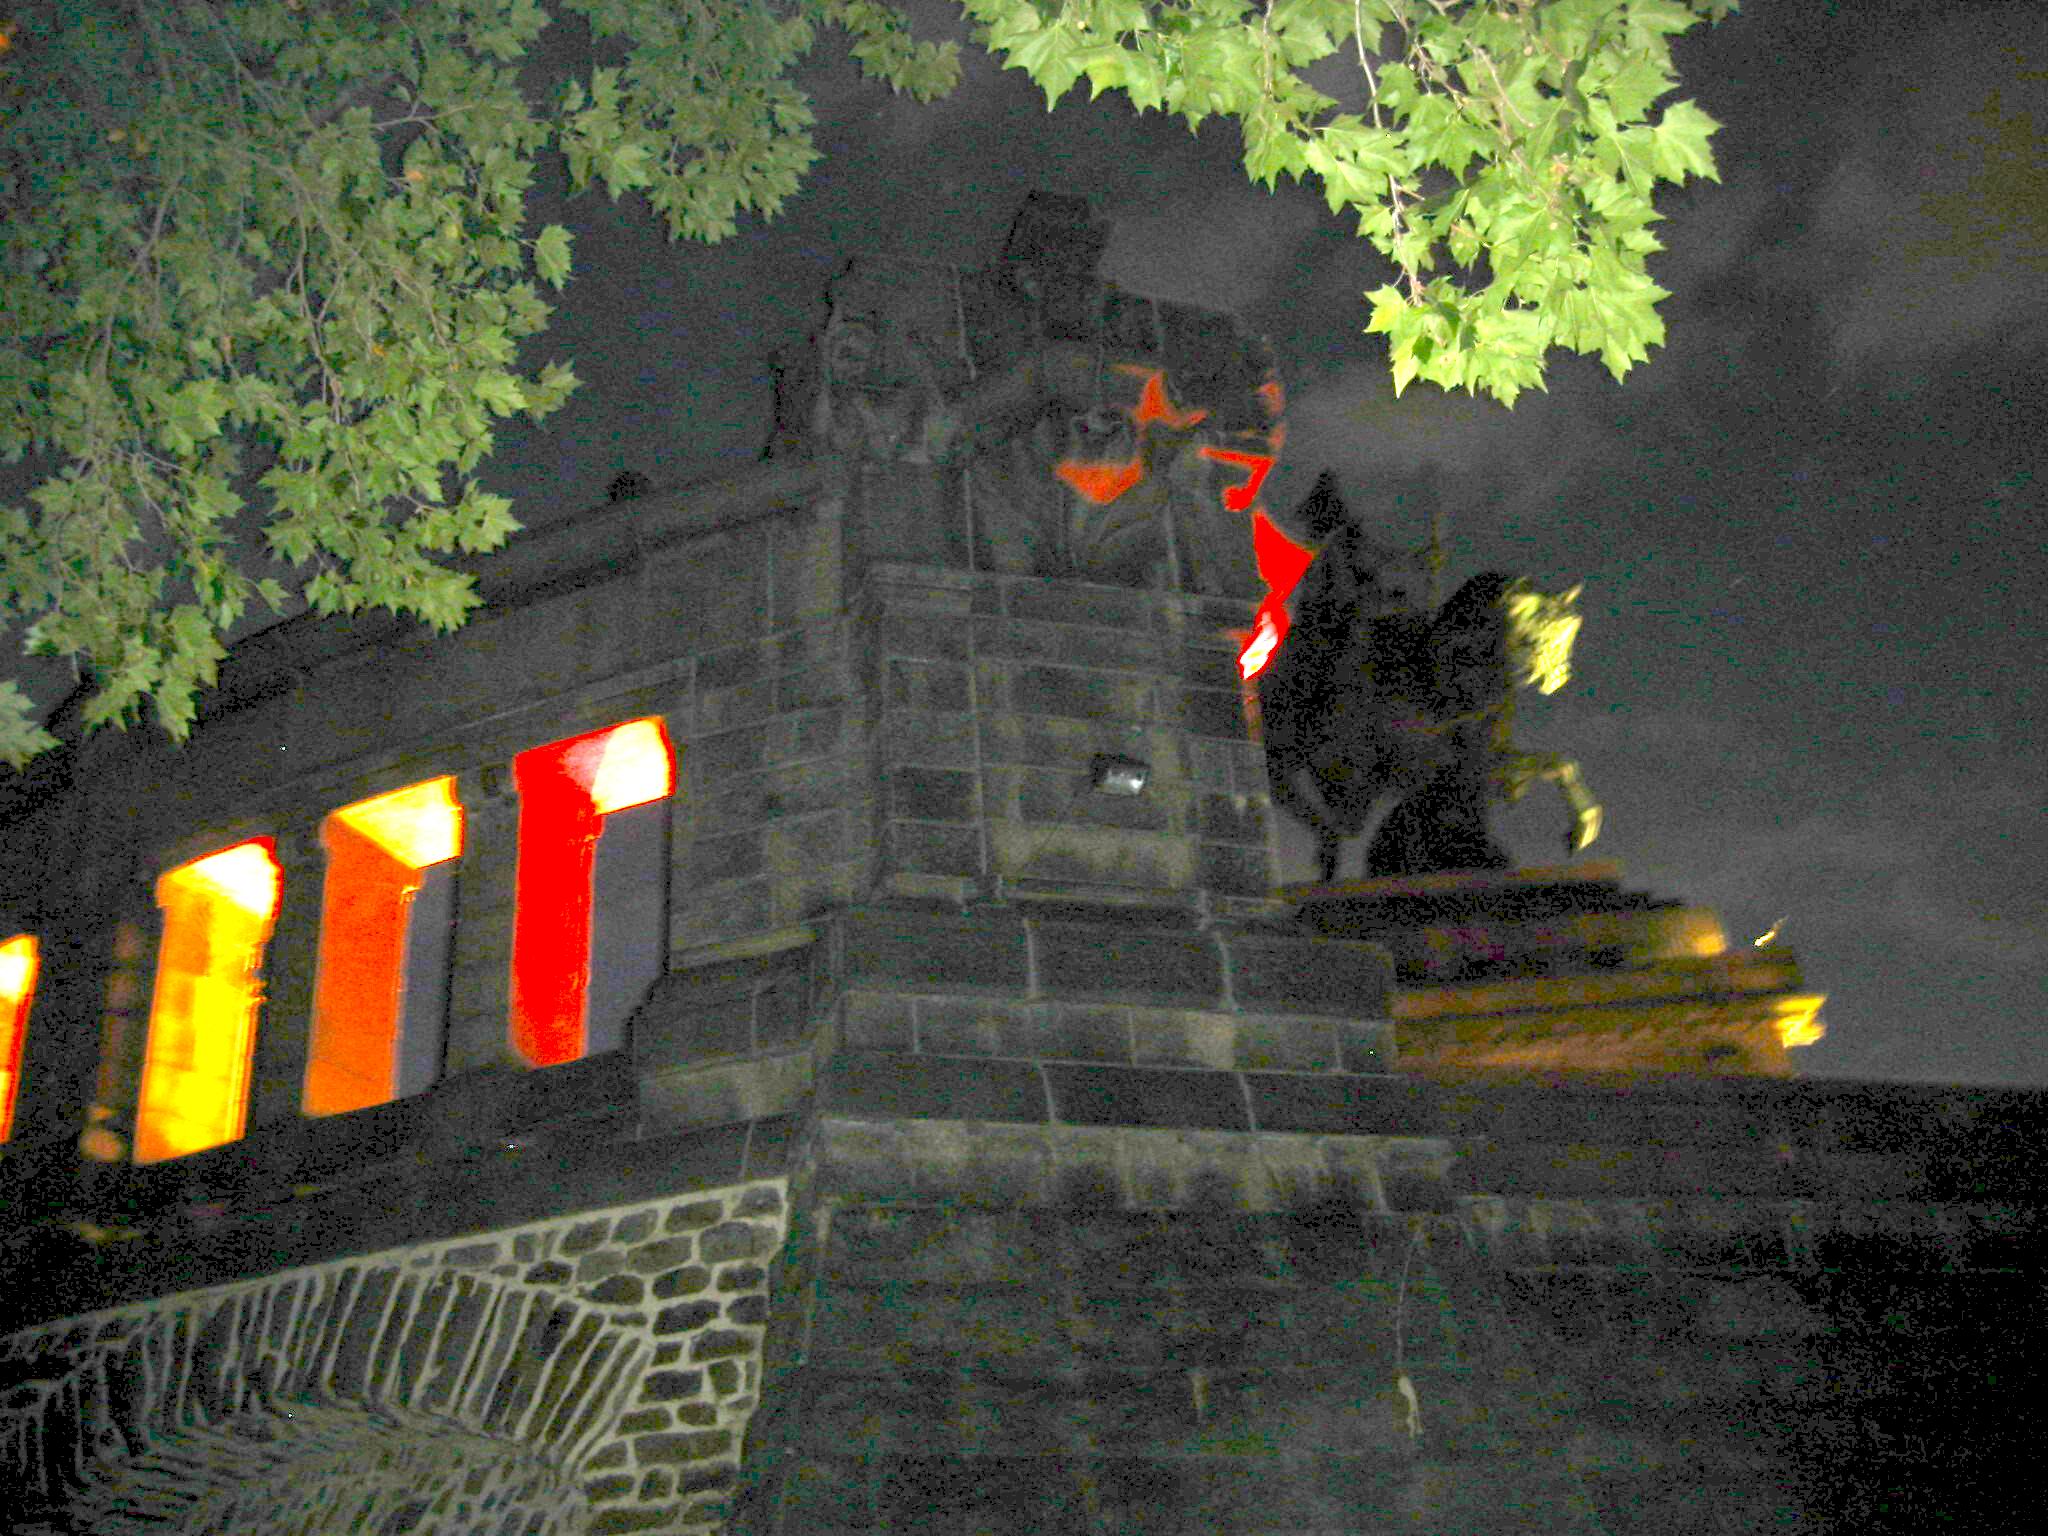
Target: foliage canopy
(266, 264)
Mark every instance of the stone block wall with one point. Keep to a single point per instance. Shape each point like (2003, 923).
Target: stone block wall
(732, 1040)
(774, 790)
(1048, 989)
(1163, 1331)
(991, 695)
(590, 1374)
(1805, 1310)
(1686, 1308)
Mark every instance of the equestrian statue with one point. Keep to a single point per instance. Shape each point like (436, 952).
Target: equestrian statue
(1373, 700)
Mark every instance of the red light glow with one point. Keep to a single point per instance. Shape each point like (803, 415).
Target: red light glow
(1100, 483)
(565, 791)
(1280, 560)
(1153, 404)
(1240, 497)
(1282, 563)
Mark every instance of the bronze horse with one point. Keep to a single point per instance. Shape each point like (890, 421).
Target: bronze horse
(1371, 698)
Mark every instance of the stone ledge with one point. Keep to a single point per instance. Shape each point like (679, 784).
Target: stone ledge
(1109, 962)
(1147, 1096)
(105, 1256)
(457, 1119)
(979, 1166)
(1650, 1140)
(1149, 952)
(934, 950)
(871, 1084)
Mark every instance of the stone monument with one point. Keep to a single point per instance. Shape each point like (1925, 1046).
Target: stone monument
(998, 1143)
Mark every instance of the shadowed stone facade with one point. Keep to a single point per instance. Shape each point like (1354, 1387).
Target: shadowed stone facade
(992, 1154)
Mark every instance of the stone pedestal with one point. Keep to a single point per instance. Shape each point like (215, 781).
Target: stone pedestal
(1561, 970)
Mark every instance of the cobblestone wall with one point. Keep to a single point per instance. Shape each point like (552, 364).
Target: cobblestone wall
(594, 1373)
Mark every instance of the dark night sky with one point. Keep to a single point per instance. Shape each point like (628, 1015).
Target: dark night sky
(1810, 528)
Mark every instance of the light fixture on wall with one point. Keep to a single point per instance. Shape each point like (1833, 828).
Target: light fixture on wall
(1111, 773)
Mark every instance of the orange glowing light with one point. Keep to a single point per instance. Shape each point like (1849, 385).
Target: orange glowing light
(1798, 1021)
(1152, 402)
(18, 962)
(566, 789)
(1100, 483)
(377, 850)
(420, 825)
(218, 913)
(1259, 647)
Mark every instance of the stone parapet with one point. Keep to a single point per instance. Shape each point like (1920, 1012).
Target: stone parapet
(108, 1242)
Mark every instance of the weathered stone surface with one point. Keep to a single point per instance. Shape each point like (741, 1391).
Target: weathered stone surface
(1146, 1096)
(1307, 976)
(877, 1085)
(665, 1386)
(686, 1281)
(664, 1253)
(934, 952)
(692, 1214)
(619, 1290)
(391, 1381)
(931, 794)
(685, 1317)
(1107, 961)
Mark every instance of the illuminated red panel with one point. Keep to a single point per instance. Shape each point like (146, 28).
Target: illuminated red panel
(202, 1021)
(378, 851)
(17, 990)
(565, 791)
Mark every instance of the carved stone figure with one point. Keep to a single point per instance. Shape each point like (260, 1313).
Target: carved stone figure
(1082, 430)
(1373, 698)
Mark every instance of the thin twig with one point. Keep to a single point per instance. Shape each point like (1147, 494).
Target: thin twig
(1393, 183)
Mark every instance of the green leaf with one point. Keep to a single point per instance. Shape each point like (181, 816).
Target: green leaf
(22, 737)
(1679, 144)
(1641, 79)
(551, 255)
(1389, 307)
(502, 392)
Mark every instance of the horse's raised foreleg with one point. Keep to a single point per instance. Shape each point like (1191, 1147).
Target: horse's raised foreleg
(1525, 767)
